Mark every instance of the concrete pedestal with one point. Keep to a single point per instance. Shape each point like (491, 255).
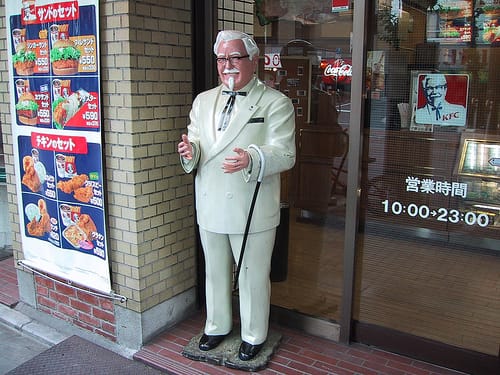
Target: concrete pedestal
(226, 354)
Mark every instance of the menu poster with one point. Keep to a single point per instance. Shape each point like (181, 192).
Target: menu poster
(55, 105)
(58, 103)
(450, 22)
(488, 22)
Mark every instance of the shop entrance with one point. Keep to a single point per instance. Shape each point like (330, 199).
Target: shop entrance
(306, 49)
(427, 257)
(421, 242)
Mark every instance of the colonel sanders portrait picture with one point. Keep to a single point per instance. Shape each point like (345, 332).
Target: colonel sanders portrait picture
(442, 99)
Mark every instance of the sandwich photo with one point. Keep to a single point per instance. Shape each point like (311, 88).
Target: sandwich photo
(64, 108)
(27, 109)
(24, 60)
(64, 57)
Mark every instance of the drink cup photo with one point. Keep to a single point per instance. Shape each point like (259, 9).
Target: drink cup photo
(61, 165)
(20, 87)
(66, 215)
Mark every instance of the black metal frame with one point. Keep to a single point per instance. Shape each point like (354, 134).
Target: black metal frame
(204, 23)
(204, 76)
(427, 350)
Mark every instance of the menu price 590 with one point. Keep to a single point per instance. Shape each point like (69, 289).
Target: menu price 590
(440, 214)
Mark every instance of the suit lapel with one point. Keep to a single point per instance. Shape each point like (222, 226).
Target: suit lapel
(209, 107)
(246, 109)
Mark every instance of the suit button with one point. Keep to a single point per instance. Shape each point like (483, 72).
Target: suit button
(229, 195)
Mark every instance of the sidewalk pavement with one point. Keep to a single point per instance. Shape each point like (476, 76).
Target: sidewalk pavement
(28, 347)
(299, 352)
(22, 323)
(22, 338)
(16, 348)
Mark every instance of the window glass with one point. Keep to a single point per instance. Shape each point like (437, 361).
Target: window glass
(429, 255)
(306, 54)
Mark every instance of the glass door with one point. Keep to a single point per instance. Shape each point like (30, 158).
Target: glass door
(428, 255)
(306, 54)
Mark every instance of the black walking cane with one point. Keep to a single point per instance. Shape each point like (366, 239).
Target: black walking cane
(250, 213)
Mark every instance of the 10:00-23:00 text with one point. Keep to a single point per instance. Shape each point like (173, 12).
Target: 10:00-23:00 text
(441, 214)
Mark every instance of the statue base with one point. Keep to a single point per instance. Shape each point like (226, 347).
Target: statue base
(226, 354)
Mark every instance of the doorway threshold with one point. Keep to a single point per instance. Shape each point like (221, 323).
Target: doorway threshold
(309, 324)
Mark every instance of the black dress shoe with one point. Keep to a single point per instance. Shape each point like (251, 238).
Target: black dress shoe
(208, 342)
(249, 351)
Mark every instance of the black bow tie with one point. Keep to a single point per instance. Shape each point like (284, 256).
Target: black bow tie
(234, 93)
(226, 112)
(438, 110)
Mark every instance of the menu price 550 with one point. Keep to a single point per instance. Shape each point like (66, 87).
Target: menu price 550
(440, 214)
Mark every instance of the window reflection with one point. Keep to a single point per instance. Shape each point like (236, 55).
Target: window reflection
(430, 186)
(306, 55)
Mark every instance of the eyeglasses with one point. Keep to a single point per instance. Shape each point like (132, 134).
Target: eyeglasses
(436, 88)
(234, 60)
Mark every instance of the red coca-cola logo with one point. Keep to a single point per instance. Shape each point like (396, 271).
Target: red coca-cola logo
(336, 71)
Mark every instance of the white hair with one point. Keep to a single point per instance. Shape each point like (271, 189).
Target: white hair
(227, 35)
(440, 78)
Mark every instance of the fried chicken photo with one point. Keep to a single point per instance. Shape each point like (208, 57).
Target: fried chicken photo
(84, 194)
(30, 178)
(86, 224)
(28, 162)
(72, 185)
(45, 220)
(36, 227)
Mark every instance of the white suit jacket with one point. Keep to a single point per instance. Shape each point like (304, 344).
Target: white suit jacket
(265, 118)
(449, 115)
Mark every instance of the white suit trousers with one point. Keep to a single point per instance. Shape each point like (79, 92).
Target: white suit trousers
(221, 250)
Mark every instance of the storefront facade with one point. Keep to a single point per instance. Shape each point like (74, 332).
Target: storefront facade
(394, 202)
(149, 210)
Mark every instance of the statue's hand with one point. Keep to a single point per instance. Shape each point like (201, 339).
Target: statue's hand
(184, 148)
(236, 163)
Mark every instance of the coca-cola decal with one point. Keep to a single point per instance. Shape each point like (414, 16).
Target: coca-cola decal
(337, 71)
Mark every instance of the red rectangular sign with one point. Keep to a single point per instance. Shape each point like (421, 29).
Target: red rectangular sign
(340, 5)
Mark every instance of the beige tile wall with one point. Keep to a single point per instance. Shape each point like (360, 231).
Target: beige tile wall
(236, 15)
(146, 75)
